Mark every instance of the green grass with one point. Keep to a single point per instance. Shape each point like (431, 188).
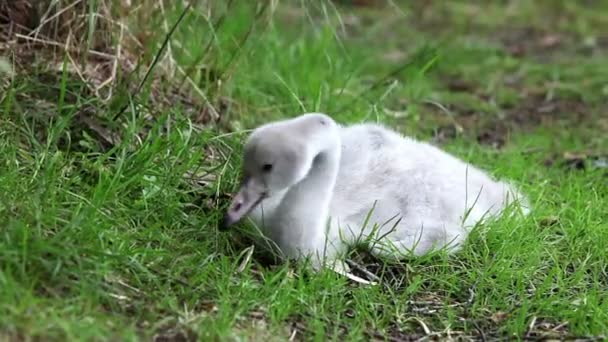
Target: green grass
(122, 243)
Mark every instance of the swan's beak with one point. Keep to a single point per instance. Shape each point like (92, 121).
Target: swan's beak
(251, 193)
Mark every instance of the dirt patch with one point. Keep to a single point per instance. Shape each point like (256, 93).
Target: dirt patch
(531, 41)
(493, 129)
(573, 160)
(545, 46)
(541, 40)
(533, 112)
(175, 333)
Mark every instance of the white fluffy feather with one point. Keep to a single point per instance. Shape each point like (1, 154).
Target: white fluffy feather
(327, 181)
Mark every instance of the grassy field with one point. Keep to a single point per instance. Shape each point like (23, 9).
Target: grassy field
(109, 227)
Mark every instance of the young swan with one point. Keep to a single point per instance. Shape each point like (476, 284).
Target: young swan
(315, 187)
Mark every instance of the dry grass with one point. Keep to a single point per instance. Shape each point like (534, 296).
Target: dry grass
(43, 32)
(103, 45)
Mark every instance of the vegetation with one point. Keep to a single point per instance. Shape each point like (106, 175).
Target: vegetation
(119, 153)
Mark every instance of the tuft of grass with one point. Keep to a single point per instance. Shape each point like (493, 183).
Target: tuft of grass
(109, 231)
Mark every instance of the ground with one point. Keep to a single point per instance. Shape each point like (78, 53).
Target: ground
(110, 201)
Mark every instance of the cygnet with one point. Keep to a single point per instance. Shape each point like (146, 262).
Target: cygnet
(315, 187)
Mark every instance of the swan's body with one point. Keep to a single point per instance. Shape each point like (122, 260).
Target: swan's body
(329, 186)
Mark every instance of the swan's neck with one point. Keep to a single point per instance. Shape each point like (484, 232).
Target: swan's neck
(304, 210)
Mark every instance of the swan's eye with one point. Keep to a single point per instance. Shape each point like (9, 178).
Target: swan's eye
(267, 167)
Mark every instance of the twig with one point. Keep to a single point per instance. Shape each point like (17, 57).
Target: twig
(67, 53)
(36, 31)
(166, 27)
(363, 270)
(472, 293)
(248, 253)
(426, 329)
(112, 76)
(44, 17)
(293, 335)
(482, 334)
(64, 46)
(530, 327)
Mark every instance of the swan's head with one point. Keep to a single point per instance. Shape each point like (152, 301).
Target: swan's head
(276, 157)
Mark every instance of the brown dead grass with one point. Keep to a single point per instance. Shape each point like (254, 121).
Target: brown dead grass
(43, 32)
(100, 43)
